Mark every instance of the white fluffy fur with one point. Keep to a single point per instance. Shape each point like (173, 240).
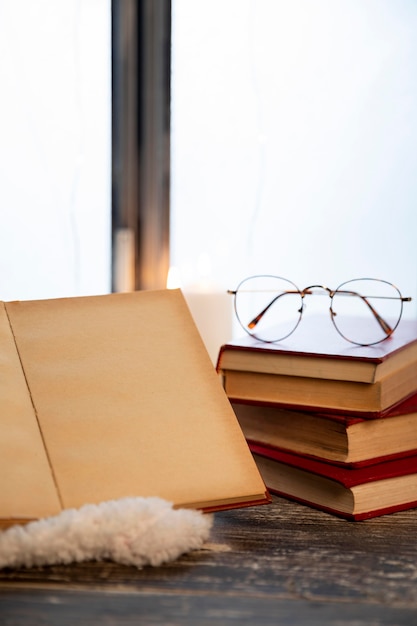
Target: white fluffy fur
(132, 531)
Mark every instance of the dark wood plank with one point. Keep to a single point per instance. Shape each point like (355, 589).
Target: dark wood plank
(94, 608)
(283, 563)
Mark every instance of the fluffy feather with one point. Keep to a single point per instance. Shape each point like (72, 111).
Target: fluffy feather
(131, 531)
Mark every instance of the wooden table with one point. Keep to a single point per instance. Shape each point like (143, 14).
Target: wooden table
(278, 564)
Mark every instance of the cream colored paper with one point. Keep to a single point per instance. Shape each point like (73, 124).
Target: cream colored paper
(129, 403)
(27, 488)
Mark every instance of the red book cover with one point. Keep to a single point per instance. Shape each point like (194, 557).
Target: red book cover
(378, 475)
(346, 476)
(409, 405)
(316, 336)
(252, 443)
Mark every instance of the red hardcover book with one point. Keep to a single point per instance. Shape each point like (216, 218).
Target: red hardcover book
(355, 494)
(350, 440)
(316, 369)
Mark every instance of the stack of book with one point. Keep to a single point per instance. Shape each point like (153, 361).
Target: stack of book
(330, 424)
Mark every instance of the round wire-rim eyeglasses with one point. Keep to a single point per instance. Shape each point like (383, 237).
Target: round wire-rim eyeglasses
(249, 286)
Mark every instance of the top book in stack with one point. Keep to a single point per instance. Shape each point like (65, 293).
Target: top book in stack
(316, 369)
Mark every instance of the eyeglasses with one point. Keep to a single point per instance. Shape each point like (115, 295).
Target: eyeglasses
(270, 308)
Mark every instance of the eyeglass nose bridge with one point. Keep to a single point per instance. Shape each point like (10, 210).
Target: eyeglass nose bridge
(310, 291)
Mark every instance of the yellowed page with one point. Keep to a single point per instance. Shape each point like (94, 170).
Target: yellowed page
(129, 402)
(27, 489)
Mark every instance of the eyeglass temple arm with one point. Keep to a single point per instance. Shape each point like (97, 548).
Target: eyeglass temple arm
(260, 315)
(384, 325)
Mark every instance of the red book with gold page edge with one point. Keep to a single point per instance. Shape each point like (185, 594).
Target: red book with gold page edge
(355, 494)
(349, 440)
(316, 369)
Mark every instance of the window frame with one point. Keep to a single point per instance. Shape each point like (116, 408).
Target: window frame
(141, 95)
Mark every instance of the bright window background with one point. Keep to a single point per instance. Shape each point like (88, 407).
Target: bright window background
(294, 134)
(55, 148)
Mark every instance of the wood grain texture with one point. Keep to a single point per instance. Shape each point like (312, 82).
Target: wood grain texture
(277, 564)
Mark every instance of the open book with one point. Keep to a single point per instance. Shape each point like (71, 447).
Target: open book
(105, 397)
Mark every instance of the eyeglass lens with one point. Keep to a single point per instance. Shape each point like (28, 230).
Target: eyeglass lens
(366, 311)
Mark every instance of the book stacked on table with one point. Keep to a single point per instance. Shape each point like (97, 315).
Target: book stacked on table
(330, 424)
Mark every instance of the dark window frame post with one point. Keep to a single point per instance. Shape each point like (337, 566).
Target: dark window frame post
(141, 95)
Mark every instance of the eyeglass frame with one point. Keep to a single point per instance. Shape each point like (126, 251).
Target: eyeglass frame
(331, 293)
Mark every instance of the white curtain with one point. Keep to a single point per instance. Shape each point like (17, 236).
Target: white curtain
(55, 148)
(294, 134)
